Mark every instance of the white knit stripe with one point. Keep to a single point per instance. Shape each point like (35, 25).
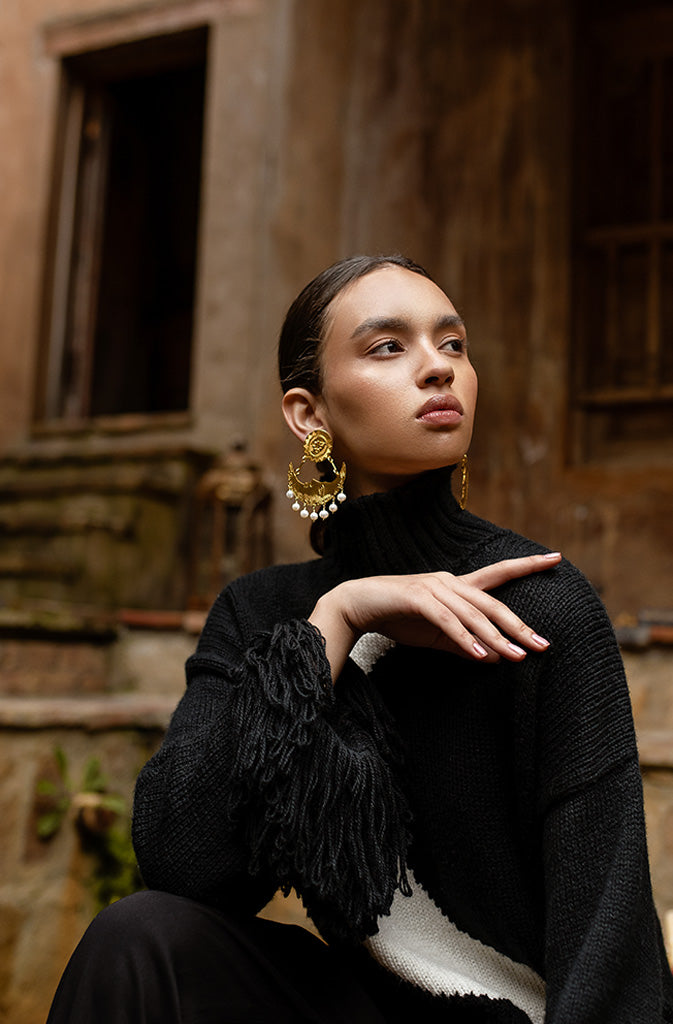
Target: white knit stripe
(368, 649)
(418, 943)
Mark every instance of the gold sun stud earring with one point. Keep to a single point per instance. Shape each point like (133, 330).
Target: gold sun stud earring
(318, 497)
(464, 481)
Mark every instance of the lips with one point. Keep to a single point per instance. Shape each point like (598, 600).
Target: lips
(440, 404)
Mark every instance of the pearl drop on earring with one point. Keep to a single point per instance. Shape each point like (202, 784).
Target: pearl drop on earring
(318, 496)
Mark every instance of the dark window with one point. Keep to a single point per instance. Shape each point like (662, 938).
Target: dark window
(122, 254)
(622, 351)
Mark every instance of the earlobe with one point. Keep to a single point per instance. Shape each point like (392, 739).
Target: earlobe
(300, 409)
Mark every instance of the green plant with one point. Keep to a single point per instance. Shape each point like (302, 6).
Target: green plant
(115, 870)
(54, 798)
(102, 821)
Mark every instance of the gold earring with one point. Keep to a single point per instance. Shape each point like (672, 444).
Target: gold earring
(464, 481)
(315, 494)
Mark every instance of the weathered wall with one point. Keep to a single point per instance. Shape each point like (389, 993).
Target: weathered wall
(458, 132)
(106, 700)
(45, 900)
(438, 129)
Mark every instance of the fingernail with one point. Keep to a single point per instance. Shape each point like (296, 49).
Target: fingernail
(539, 640)
(552, 554)
(479, 649)
(515, 650)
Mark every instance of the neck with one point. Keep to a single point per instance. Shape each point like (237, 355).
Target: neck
(416, 527)
(362, 487)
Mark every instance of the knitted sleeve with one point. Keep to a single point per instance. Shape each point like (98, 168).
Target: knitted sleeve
(604, 957)
(269, 772)
(604, 953)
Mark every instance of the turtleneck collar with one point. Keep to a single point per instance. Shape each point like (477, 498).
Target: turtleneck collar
(416, 527)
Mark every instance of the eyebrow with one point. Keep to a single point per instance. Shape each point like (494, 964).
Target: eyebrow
(387, 323)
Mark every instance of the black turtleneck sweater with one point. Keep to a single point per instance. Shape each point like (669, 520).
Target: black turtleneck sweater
(511, 790)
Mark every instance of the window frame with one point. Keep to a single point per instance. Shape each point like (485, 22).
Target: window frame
(649, 35)
(75, 38)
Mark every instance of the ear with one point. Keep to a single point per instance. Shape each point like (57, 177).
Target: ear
(302, 412)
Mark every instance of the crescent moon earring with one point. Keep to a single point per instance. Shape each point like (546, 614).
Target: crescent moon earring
(318, 497)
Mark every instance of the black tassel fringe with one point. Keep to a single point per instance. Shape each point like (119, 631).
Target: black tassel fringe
(315, 786)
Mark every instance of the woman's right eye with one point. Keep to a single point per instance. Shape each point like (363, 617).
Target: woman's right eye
(385, 348)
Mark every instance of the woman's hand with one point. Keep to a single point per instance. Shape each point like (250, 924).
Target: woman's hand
(437, 610)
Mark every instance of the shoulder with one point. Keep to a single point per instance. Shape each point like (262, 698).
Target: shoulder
(564, 588)
(491, 542)
(563, 602)
(258, 601)
(577, 688)
(287, 585)
(561, 598)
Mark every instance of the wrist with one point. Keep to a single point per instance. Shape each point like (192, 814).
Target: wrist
(330, 612)
(330, 617)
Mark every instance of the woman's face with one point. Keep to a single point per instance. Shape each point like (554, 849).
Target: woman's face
(399, 391)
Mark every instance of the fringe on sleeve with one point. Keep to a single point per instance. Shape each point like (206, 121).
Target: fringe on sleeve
(315, 783)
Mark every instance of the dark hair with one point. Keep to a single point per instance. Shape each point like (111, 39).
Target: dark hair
(302, 333)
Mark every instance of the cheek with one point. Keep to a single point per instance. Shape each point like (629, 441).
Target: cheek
(353, 399)
(471, 390)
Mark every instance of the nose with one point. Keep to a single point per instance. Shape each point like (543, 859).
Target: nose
(436, 368)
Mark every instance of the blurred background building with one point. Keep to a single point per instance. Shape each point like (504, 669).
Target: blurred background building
(171, 173)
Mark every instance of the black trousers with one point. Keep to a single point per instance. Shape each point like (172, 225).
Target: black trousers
(154, 958)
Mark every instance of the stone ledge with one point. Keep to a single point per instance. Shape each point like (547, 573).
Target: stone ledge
(132, 711)
(73, 623)
(655, 747)
(92, 714)
(642, 635)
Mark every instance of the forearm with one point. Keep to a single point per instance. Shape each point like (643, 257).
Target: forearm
(266, 773)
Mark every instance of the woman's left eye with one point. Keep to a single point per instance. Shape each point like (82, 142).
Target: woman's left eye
(454, 344)
(387, 347)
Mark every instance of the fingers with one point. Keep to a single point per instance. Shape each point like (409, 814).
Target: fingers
(452, 613)
(458, 628)
(476, 633)
(510, 569)
(488, 625)
(491, 576)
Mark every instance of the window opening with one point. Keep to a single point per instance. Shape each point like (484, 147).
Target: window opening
(622, 355)
(120, 303)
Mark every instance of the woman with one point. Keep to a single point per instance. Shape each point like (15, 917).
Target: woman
(449, 779)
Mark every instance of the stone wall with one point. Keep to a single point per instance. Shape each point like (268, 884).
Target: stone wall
(46, 899)
(113, 706)
(104, 531)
